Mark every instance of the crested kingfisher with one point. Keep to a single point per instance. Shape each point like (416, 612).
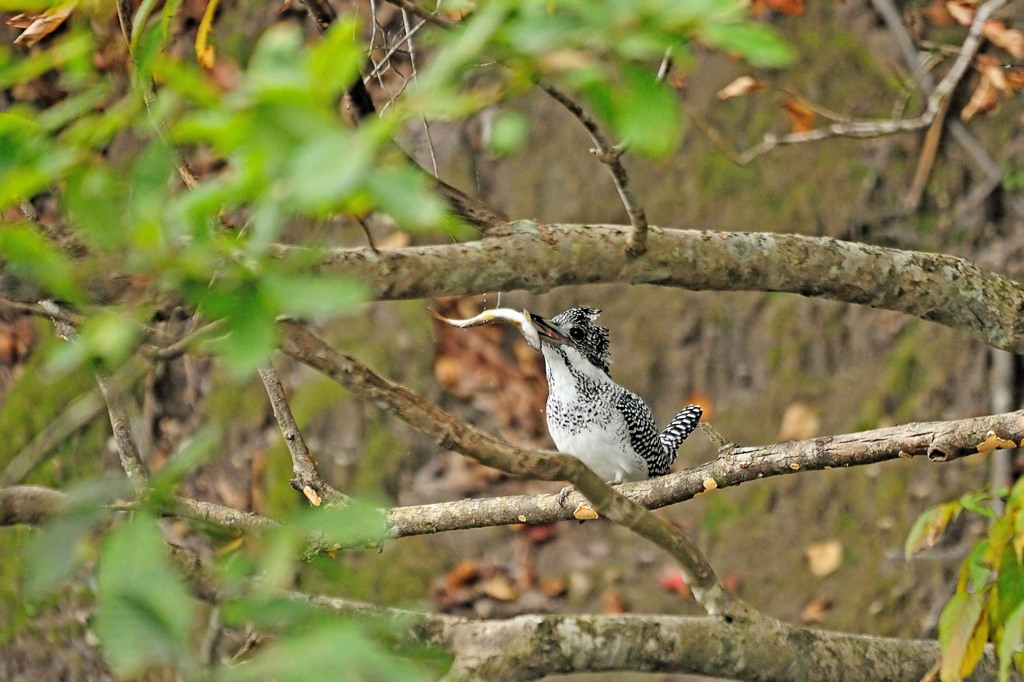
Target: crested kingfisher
(607, 427)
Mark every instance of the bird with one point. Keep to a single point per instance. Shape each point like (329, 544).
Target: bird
(589, 416)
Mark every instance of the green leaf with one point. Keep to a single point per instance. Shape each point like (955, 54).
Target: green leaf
(29, 255)
(276, 64)
(959, 625)
(974, 571)
(756, 43)
(354, 524)
(327, 168)
(648, 117)
(321, 652)
(252, 331)
(403, 194)
(929, 526)
(509, 133)
(45, 568)
(96, 200)
(1010, 640)
(313, 295)
(334, 63)
(195, 452)
(974, 502)
(145, 612)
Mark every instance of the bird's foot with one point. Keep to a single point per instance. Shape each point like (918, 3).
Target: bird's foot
(563, 494)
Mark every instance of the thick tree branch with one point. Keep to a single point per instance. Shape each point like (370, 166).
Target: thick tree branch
(527, 647)
(307, 479)
(30, 504)
(935, 287)
(534, 646)
(939, 441)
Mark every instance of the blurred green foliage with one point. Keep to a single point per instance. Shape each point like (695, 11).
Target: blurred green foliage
(283, 153)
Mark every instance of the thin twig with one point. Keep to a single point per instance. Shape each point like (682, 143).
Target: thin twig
(423, 13)
(610, 155)
(307, 479)
(414, 76)
(41, 310)
(183, 345)
(127, 450)
(920, 73)
(878, 128)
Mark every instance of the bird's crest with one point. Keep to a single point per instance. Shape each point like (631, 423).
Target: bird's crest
(589, 338)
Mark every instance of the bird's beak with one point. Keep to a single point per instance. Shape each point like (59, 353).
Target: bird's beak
(548, 331)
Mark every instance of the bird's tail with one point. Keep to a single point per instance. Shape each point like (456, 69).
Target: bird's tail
(679, 428)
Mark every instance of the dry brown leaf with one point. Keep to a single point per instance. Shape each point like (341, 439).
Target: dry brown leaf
(962, 12)
(744, 85)
(938, 14)
(38, 26)
(994, 442)
(800, 421)
(815, 610)
(984, 99)
(1015, 77)
(677, 80)
(536, 533)
(791, 8)
(475, 365)
(824, 558)
(612, 602)
(1010, 39)
(992, 69)
(463, 573)
(801, 117)
(553, 586)
(500, 587)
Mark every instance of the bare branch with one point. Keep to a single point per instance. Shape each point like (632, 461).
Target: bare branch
(611, 156)
(127, 450)
(935, 287)
(939, 441)
(307, 479)
(894, 21)
(877, 128)
(29, 504)
(183, 345)
(423, 13)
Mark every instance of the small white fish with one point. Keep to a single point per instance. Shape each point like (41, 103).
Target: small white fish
(523, 321)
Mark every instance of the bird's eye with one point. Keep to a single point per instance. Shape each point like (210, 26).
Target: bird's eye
(576, 334)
